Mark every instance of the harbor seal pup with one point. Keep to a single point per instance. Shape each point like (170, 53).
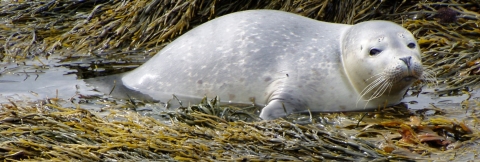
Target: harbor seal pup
(286, 62)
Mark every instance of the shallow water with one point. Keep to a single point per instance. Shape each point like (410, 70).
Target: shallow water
(38, 80)
(428, 97)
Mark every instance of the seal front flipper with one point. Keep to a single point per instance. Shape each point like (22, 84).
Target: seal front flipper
(282, 105)
(273, 110)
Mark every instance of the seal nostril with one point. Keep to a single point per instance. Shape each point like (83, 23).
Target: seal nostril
(406, 60)
(409, 79)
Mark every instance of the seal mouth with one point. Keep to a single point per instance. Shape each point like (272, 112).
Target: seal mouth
(409, 78)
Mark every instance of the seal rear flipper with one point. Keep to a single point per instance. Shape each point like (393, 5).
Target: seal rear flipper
(113, 85)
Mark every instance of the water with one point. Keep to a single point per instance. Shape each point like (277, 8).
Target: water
(38, 80)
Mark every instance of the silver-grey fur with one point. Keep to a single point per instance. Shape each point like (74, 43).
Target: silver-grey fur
(280, 59)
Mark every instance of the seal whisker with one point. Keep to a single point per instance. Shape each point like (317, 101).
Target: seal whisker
(372, 85)
(381, 86)
(379, 81)
(429, 77)
(381, 90)
(375, 76)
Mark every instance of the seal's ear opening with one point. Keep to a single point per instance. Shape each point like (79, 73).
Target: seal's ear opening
(113, 85)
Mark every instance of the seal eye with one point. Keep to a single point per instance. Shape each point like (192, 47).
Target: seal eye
(411, 45)
(374, 52)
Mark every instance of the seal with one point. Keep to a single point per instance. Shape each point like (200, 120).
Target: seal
(285, 62)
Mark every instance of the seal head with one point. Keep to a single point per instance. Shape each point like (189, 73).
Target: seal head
(381, 60)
